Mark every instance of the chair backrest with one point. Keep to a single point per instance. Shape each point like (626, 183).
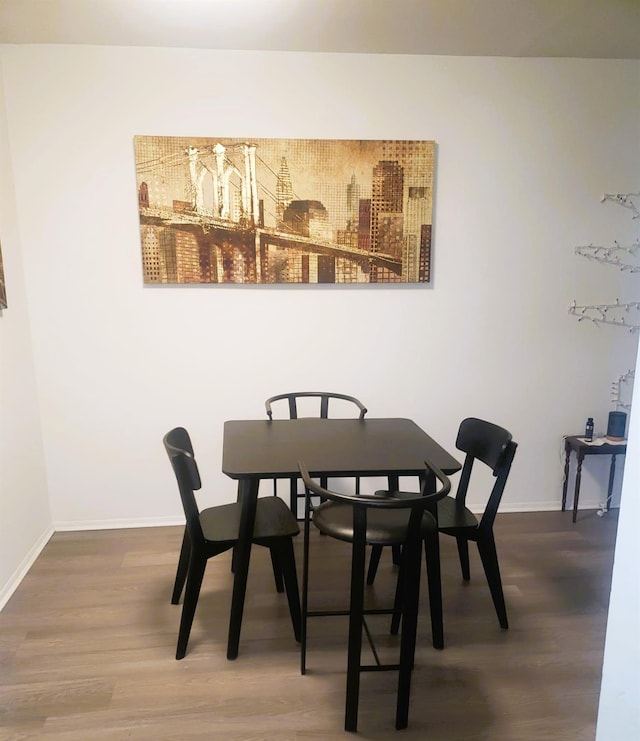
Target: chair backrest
(178, 445)
(389, 500)
(323, 396)
(493, 446)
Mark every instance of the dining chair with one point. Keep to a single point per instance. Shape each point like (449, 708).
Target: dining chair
(494, 447)
(380, 519)
(294, 405)
(215, 529)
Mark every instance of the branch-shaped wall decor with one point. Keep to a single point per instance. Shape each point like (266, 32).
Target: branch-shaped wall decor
(623, 257)
(617, 390)
(626, 200)
(627, 258)
(610, 314)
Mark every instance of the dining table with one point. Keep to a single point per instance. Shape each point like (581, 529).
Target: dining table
(254, 450)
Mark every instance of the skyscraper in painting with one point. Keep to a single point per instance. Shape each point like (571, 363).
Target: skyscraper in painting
(416, 158)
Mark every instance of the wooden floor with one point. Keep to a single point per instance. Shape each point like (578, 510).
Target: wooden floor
(87, 644)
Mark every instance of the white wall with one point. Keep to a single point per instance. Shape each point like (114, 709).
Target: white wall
(25, 517)
(525, 150)
(619, 710)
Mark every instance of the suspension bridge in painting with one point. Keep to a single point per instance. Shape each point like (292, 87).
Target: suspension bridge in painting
(250, 244)
(225, 217)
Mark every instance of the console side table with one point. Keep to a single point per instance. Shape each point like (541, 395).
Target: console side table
(582, 448)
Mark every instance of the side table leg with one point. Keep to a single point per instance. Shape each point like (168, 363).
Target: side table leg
(576, 493)
(612, 474)
(567, 453)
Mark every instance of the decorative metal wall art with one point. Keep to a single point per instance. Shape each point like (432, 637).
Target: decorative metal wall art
(625, 258)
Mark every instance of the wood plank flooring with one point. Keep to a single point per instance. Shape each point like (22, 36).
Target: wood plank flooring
(87, 644)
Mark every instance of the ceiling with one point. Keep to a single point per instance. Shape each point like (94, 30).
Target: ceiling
(516, 28)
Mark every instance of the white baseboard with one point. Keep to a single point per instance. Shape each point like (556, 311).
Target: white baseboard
(69, 526)
(553, 506)
(27, 562)
(126, 523)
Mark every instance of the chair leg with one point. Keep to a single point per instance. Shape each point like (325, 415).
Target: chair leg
(396, 554)
(410, 599)
(489, 557)
(355, 623)
(305, 589)
(183, 567)
(293, 497)
(432, 558)
(277, 569)
(463, 555)
(374, 560)
(197, 565)
(288, 564)
(397, 602)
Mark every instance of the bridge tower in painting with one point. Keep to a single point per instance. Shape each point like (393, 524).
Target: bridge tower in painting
(223, 173)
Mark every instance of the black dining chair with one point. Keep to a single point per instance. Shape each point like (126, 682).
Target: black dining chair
(215, 529)
(378, 519)
(494, 447)
(294, 405)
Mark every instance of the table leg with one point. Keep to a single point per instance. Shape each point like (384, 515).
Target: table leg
(434, 579)
(612, 474)
(567, 454)
(356, 607)
(393, 483)
(410, 599)
(576, 493)
(248, 497)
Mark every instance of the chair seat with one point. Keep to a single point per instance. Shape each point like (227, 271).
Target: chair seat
(273, 520)
(452, 515)
(384, 527)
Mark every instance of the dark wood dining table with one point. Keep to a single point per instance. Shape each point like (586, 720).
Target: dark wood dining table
(264, 449)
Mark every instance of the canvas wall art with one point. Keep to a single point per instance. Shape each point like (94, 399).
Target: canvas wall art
(3, 291)
(258, 211)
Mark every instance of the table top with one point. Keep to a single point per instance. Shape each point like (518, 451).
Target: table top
(332, 447)
(608, 447)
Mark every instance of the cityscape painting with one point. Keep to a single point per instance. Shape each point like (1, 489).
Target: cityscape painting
(276, 211)
(3, 291)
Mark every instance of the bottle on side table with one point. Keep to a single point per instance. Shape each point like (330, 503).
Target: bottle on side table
(588, 432)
